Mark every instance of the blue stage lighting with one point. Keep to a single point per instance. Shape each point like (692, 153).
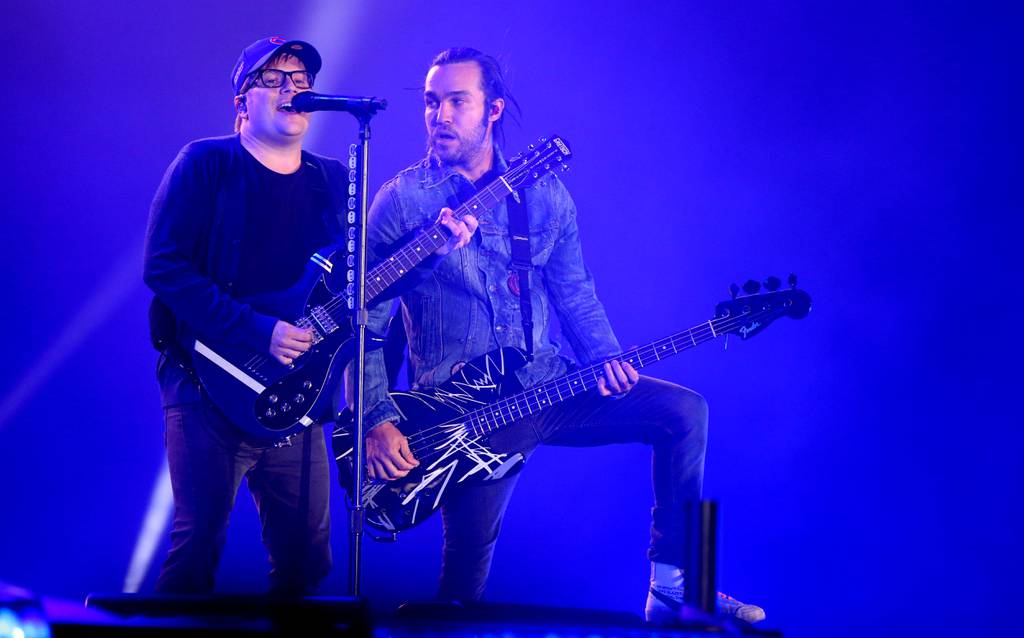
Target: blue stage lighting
(21, 615)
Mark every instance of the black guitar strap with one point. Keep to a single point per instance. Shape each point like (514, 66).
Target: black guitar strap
(522, 263)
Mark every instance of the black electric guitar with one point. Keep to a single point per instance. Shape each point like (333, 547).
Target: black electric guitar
(447, 427)
(272, 401)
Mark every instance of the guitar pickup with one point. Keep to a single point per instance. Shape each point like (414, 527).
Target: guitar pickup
(323, 320)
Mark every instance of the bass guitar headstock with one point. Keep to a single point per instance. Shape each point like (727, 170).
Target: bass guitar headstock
(751, 313)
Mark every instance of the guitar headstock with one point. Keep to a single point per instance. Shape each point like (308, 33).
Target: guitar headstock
(752, 313)
(548, 154)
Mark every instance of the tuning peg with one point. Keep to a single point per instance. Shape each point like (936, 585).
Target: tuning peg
(751, 287)
(772, 283)
(530, 147)
(792, 280)
(734, 290)
(565, 167)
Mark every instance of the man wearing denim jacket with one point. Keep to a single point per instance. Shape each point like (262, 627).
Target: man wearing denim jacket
(461, 306)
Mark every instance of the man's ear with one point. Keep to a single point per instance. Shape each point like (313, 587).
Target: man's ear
(497, 108)
(240, 105)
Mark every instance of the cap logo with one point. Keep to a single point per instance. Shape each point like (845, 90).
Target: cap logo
(276, 39)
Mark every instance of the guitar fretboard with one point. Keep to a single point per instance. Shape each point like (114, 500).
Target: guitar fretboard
(504, 411)
(424, 244)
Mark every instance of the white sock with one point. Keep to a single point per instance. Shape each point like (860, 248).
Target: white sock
(667, 579)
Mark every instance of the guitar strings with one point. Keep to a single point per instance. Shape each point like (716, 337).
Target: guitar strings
(423, 443)
(513, 174)
(504, 406)
(494, 190)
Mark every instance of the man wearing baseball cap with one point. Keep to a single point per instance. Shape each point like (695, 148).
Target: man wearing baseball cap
(237, 216)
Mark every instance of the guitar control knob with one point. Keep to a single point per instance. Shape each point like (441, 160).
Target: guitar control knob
(299, 399)
(286, 407)
(307, 385)
(272, 398)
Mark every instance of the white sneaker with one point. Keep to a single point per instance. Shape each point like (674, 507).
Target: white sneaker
(665, 598)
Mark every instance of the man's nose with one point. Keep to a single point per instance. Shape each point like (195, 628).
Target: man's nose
(443, 115)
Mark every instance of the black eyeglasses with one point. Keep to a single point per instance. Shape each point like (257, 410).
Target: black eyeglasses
(274, 78)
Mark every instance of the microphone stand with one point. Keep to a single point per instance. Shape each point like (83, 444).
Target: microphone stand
(360, 316)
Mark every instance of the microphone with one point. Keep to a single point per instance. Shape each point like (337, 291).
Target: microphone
(307, 101)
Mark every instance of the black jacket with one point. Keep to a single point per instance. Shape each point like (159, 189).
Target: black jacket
(193, 243)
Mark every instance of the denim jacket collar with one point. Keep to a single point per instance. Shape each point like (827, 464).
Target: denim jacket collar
(435, 172)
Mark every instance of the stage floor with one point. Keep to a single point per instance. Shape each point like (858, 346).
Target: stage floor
(134, 615)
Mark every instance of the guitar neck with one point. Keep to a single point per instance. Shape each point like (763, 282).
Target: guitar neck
(540, 397)
(426, 242)
(406, 258)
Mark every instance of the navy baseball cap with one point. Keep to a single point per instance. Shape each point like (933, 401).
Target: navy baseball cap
(256, 55)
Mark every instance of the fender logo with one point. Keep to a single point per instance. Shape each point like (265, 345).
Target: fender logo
(745, 330)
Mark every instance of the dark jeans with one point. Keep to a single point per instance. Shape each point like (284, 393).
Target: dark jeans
(670, 418)
(208, 458)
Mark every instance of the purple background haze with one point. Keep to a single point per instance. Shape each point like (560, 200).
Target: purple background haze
(865, 458)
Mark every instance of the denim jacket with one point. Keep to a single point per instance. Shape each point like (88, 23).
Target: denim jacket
(461, 306)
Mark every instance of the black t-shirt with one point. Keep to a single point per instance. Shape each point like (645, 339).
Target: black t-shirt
(283, 226)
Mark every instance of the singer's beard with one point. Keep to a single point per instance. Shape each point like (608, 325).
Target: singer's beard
(463, 149)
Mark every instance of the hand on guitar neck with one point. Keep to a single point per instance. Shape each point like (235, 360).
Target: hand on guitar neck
(461, 230)
(619, 378)
(287, 342)
(388, 456)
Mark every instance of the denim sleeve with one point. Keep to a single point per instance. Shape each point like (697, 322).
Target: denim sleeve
(570, 287)
(383, 229)
(179, 217)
